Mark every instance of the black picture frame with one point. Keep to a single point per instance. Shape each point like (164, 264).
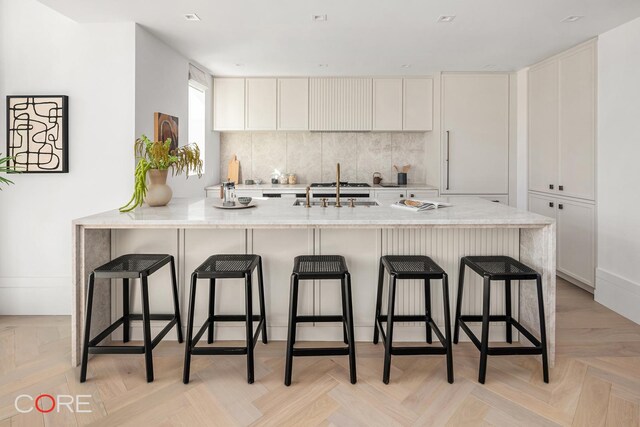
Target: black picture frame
(60, 118)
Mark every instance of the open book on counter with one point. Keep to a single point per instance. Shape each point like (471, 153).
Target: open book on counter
(419, 205)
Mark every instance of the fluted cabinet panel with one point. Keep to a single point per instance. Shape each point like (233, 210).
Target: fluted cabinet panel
(446, 247)
(340, 104)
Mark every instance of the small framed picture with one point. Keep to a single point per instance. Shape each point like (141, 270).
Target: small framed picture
(38, 133)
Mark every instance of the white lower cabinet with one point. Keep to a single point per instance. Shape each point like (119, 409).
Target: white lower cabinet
(575, 222)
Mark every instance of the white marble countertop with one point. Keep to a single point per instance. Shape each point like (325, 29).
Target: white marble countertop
(465, 212)
(303, 186)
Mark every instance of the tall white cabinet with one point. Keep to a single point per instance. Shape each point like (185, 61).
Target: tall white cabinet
(562, 148)
(475, 132)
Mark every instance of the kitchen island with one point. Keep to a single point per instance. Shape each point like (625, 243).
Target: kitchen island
(192, 229)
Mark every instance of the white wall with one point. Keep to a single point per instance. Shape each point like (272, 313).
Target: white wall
(116, 77)
(162, 85)
(43, 52)
(618, 272)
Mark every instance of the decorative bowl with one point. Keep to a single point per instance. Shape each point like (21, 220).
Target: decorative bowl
(244, 200)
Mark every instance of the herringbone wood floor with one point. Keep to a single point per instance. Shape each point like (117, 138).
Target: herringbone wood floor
(596, 382)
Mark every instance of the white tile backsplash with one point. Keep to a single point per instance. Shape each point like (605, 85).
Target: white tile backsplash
(313, 155)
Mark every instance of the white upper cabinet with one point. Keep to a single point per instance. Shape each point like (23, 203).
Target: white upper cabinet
(417, 104)
(293, 104)
(577, 124)
(340, 104)
(562, 124)
(261, 94)
(543, 127)
(228, 104)
(387, 104)
(323, 104)
(475, 119)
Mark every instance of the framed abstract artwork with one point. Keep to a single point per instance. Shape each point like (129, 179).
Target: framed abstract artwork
(165, 126)
(38, 133)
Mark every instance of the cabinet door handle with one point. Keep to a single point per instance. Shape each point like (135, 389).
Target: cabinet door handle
(448, 151)
(560, 206)
(413, 195)
(561, 187)
(550, 186)
(551, 204)
(401, 196)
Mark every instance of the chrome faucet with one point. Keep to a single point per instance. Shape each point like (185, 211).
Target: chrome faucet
(338, 205)
(308, 203)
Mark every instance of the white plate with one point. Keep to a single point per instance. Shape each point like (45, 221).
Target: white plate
(237, 206)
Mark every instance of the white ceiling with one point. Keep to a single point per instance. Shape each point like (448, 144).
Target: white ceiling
(361, 37)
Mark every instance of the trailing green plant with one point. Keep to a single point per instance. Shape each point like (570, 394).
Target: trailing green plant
(158, 155)
(6, 168)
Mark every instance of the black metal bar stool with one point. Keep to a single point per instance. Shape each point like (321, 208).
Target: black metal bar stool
(226, 267)
(507, 269)
(321, 267)
(128, 267)
(416, 267)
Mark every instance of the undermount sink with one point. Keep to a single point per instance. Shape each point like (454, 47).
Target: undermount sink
(344, 203)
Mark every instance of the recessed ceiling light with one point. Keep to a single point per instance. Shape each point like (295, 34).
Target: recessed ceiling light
(572, 18)
(446, 18)
(323, 65)
(191, 17)
(319, 17)
(406, 65)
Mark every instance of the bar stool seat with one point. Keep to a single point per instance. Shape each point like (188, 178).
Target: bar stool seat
(321, 267)
(500, 268)
(126, 267)
(412, 267)
(226, 266)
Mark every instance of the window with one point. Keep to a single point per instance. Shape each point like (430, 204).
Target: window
(197, 119)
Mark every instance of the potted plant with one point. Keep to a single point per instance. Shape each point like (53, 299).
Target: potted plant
(5, 168)
(156, 157)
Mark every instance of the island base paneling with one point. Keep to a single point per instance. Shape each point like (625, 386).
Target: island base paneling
(362, 249)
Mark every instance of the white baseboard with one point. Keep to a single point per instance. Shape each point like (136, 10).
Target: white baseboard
(618, 294)
(575, 282)
(24, 296)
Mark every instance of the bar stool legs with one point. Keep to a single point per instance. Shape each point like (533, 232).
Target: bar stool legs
(543, 331)
(350, 337)
(187, 347)
(126, 324)
(87, 329)
(412, 267)
(291, 338)
(484, 346)
(226, 266)
(128, 267)
(456, 327)
(249, 327)
(389, 337)
(321, 267)
(500, 268)
(212, 305)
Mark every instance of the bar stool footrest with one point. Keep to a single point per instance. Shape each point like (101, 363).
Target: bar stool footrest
(502, 351)
(203, 329)
(413, 350)
(319, 318)
(404, 318)
(116, 349)
(218, 350)
(329, 351)
(111, 328)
